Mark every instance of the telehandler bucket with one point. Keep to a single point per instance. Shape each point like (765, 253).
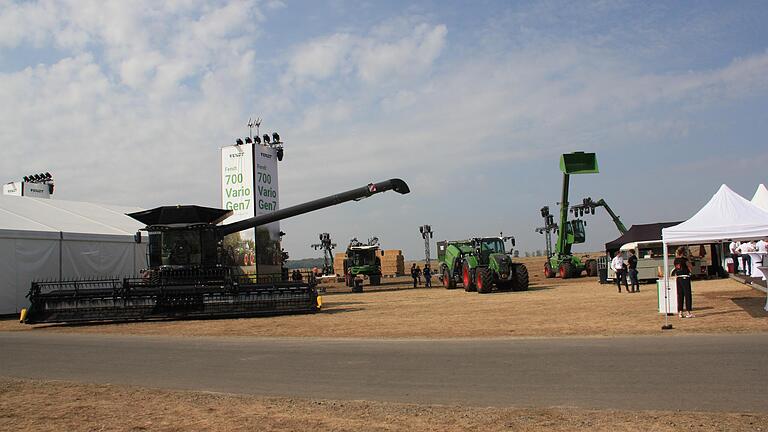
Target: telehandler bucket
(579, 163)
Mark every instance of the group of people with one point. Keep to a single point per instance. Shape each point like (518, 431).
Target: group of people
(682, 268)
(741, 250)
(623, 269)
(416, 275)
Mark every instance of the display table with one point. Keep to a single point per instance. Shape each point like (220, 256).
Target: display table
(757, 260)
(667, 305)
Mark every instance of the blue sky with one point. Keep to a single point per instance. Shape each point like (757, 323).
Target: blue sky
(470, 102)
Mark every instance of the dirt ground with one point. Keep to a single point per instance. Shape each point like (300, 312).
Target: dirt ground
(552, 307)
(61, 406)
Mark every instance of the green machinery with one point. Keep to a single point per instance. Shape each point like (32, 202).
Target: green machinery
(588, 205)
(560, 259)
(480, 264)
(362, 260)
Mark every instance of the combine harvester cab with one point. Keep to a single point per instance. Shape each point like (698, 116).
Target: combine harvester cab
(480, 264)
(362, 260)
(188, 276)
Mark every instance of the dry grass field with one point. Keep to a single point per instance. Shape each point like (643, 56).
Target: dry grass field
(551, 307)
(59, 406)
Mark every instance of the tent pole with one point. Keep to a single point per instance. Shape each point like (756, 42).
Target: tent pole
(665, 252)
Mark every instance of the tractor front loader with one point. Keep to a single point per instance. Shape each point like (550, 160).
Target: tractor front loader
(561, 261)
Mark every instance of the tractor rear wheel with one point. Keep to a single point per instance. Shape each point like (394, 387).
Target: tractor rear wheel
(375, 280)
(466, 277)
(521, 279)
(566, 270)
(484, 280)
(448, 281)
(548, 272)
(591, 267)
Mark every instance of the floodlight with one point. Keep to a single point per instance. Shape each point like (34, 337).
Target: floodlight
(275, 137)
(48, 175)
(280, 154)
(26, 179)
(239, 141)
(248, 140)
(266, 139)
(257, 140)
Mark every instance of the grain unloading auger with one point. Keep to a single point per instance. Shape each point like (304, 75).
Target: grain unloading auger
(187, 276)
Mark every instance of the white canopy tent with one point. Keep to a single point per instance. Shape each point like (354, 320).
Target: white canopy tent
(727, 215)
(54, 239)
(760, 198)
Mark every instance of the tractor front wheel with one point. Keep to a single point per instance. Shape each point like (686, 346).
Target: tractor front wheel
(566, 270)
(521, 279)
(484, 280)
(466, 277)
(548, 272)
(375, 280)
(448, 281)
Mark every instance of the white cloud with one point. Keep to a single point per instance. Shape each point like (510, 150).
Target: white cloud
(380, 56)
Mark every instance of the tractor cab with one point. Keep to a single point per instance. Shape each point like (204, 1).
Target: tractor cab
(576, 231)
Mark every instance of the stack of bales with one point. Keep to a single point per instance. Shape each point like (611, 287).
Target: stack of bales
(338, 263)
(392, 262)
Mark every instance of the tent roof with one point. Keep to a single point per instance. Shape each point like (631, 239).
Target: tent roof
(639, 233)
(727, 215)
(52, 215)
(761, 197)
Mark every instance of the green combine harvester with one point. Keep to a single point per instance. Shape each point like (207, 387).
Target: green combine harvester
(480, 264)
(362, 260)
(561, 261)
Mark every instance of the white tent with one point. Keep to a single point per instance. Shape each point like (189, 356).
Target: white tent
(761, 197)
(727, 215)
(54, 239)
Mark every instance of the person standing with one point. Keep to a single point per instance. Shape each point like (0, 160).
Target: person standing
(746, 261)
(683, 269)
(762, 246)
(632, 269)
(427, 276)
(414, 274)
(617, 264)
(418, 274)
(734, 248)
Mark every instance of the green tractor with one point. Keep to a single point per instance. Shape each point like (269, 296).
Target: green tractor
(480, 264)
(362, 260)
(561, 261)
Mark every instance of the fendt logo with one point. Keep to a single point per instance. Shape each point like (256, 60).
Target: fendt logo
(236, 155)
(266, 155)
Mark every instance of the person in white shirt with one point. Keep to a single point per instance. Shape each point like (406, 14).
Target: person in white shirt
(617, 264)
(734, 248)
(762, 246)
(746, 261)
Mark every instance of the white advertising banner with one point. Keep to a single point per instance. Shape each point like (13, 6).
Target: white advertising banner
(249, 188)
(12, 188)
